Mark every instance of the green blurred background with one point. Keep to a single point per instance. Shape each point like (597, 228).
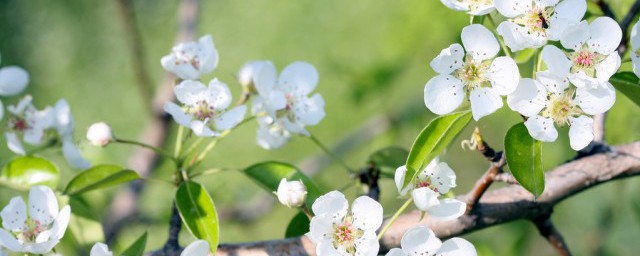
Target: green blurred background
(372, 57)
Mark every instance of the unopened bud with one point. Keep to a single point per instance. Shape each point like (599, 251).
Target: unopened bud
(99, 134)
(292, 193)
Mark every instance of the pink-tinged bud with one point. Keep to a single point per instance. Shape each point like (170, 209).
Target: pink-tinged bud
(99, 134)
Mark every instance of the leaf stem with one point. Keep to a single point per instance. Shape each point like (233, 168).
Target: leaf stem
(179, 141)
(330, 153)
(395, 217)
(140, 144)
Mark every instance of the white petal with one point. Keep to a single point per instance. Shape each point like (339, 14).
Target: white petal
(197, 248)
(574, 36)
(294, 127)
(43, 206)
(100, 249)
(448, 60)
(187, 90)
(456, 5)
(321, 228)
(424, 198)
(457, 247)
(448, 209)
(309, 111)
(484, 101)
(517, 37)
(429, 170)
(479, 42)
(367, 245)
(443, 94)
(177, 113)
(62, 118)
(556, 61)
(566, 13)
(73, 156)
(396, 252)
(13, 80)
(528, 99)
(420, 240)
(541, 128)
(443, 178)
(581, 79)
(14, 215)
(635, 58)
(208, 55)
(606, 35)
(482, 9)
(9, 241)
(504, 75)
(551, 82)
(22, 105)
(608, 67)
(635, 36)
(367, 213)
(14, 144)
(399, 180)
(512, 8)
(230, 118)
(201, 129)
(596, 100)
(298, 78)
(219, 95)
(325, 248)
(580, 132)
(265, 77)
(61, 223)
(546, 3)
(333, 204)
(272, 136)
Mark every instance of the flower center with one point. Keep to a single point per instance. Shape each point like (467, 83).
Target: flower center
(345, 235)
(561, 107)
(586, 60)
(32, 230)
(426, 183)
(202, 110)
(536, 20)
(472, 73)
(183, 57)
(19, 124)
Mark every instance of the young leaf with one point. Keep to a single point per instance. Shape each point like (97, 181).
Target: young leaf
(137, 248)
(24, 172)
(198, 213)
(298, 226)
(524, 158)
(269, 174)
(525, 55)
(98, 177)
(628, 84)
(433, 139)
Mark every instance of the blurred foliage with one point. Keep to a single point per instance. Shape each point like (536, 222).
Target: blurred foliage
(373, 59)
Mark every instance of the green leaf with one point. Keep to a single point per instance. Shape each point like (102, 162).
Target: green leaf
(525, 55)
(433, 139)
(524, 158)
(98, 177)
(628, 84)
(84, 224)
(298, 226)
(198, 213)
(137, 248)
(390, 157)
(24, 172)
(269, 174)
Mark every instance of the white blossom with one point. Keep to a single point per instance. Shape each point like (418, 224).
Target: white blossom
(100, 249)
(37, 228)
(191, 60)
(29, 122)
(291, 193)
(531, 23)
(273, 135)
(475, 75)
(472, 7)
(338, 231)
(204, 108)
(13, 80)
(422, 241)
(635, 48)
(435, 180)
(99, 134)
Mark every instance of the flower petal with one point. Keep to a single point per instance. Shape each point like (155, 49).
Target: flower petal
(479, 42)
(367, 213)
(596, 100)
(230, 118)
(606, 35)
(100, 249)
(608, 67)
(457, 247)
(201, 129)
(456, 5)
(424, 198)
(177, 113)
(309, 111)
(580, 132)
(294, 127)
(551, 82)
(541, 128)
(556, 61)
(396, 252)
(368, 244)
(14, 215)
(207, 55)
(581, 79)
(197, 248)
(484, 101)
(13, 80)
(566, 13)
(325, 248)
(43, 206)
(298, 78)
(575, 35)
(13, 143)
(187, 90)
(448, 209)
(504, 75)
(420, 240)
(512, 8)
(219, 95)
(443, 178)
(448, 60)
(9, 241)
(333, 204)
(399, 177)
(61, 223)
(528, 99)
(265, 78)
(272, 136)
(518, 37)
(443, 94)
(73, 156)
(321, 228)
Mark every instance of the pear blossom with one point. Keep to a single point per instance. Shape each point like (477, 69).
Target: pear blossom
(197, 248)
(550, 100)
(531, 23)
(338, 231)
(291, 193)
(100, 249)
(635, 48)
(13, 80)
(191, 60)
(435, 180)
(29, 122)
(99, 134)
(37, 228)
(472, 7)
(64, 125)
(475, 75)
(422, 241)
(272, 136)
(204, 108)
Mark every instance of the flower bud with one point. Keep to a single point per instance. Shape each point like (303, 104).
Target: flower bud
(292, 193)
(99, 134)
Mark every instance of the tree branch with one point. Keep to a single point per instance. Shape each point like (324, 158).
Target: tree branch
(606, 9)
(494, 208)
(549, 231)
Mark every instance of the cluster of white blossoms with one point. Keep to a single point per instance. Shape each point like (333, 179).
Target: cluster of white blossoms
(35, 228)
(574, 87)
(203, 108)
(197, 248)
(282, 103)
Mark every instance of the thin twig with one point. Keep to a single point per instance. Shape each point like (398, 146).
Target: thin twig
(605, 8)
(497, 162)
(549, 231)
(625, 23)
(506, 178)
